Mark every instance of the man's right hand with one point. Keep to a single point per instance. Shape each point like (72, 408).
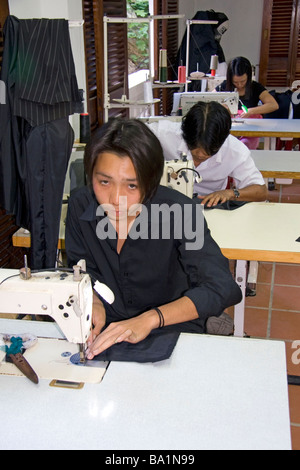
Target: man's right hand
(99, 319)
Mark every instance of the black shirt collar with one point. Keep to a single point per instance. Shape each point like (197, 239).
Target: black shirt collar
(89, 215)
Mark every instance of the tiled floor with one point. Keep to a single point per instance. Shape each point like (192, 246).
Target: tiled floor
(274, 312)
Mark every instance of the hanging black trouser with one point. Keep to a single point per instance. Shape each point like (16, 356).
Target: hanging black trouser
(48, 149)
(34, 171)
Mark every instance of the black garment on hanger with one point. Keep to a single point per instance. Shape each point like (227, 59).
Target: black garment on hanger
(35, 135)
(203, 42)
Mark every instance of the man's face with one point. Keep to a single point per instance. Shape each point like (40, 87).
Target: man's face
(199, 156)
(115, 185)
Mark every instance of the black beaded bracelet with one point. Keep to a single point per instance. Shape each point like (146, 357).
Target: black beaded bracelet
(161, 317)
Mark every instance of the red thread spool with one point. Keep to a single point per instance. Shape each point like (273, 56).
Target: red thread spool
(182, 74)
(213, 65)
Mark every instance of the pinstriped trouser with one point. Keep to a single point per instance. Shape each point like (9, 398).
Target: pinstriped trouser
(48, 149)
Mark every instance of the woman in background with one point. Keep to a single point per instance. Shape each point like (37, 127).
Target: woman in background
(239, 78)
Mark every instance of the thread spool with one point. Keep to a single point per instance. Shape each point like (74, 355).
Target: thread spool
(214, 62)
(163, 71)
(148, 95)
(181, 74)
(85, 129)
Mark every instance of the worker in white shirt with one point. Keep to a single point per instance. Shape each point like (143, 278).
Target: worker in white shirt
(204, 136)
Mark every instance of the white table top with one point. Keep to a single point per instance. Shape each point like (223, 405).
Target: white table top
(213, 393)
(251, 127)
(266, 229)
(276, 160)
(267, 127)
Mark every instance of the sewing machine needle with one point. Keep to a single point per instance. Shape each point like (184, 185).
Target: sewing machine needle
(82, 353)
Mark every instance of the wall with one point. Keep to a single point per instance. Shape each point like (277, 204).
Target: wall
(245, 22)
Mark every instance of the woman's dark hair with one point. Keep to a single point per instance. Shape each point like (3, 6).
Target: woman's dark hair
(239, 66)
(132, 138)
(206, 126)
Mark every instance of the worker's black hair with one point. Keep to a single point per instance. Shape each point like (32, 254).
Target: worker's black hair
(132, 138)
(206, 126)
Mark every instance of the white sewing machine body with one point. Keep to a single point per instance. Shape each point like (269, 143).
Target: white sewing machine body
(228, 98)
(180, 175)
(57, 294)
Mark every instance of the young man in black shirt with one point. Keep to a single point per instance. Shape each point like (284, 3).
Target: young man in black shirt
(149, 244)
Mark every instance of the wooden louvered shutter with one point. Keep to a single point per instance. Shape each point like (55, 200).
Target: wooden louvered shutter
(4, 12)
(93, 33)
(280, 44)
(117, 54)
(93, 12)
(165, 37)
(296, 65)
(10, 256)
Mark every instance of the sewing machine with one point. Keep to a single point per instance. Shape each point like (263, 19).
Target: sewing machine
(180, 175)
(65, 297)
(227, 98)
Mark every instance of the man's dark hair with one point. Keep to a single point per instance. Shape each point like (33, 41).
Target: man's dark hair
(206, 126)
(132, 138)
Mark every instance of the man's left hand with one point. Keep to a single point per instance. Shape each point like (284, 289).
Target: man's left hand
(218, 197)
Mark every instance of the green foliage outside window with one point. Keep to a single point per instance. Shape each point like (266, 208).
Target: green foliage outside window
(138, 36)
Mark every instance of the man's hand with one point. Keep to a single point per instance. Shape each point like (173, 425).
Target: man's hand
(218, 197)
(132, 330)
(99, 317)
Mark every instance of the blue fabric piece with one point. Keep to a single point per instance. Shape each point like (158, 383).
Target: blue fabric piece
(15, 347)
